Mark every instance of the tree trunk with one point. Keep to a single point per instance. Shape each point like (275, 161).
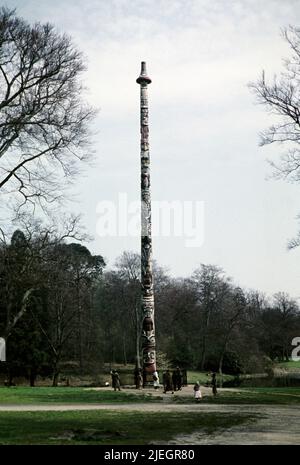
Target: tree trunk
(32, 377)
(223, 352)
(203, 355)
(79, 324)
(221, 363)
(124, 350)
(55, 371)
(10, 378)
(11, 324)
(113, 359)
(55, 378)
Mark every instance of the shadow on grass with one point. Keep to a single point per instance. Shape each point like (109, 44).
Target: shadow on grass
(107, 427)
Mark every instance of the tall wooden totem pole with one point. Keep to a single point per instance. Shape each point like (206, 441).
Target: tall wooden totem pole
(147, 294)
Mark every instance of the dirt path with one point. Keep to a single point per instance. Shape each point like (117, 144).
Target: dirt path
(273, 424)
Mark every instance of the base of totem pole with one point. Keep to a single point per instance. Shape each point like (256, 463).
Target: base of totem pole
(147, 379)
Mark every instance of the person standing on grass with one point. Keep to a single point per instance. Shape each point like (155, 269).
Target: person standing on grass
(155, 380)
(179, 380)
(214, 383)
(167, 382)
(115, 380)
(138, 378)
(174, 380)
(197, 392)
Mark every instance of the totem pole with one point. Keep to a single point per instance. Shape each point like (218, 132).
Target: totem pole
(147, 295)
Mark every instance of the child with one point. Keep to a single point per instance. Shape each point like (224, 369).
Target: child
(197, 391)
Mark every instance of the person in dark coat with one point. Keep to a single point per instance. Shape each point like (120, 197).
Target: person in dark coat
(180, 379)
(167, 382)
(164, 380)
(177, 379)
(174, 379)
(214, 383)
(138, 378)
(115, 380)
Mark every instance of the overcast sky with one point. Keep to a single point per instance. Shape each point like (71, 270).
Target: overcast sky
(204, 125)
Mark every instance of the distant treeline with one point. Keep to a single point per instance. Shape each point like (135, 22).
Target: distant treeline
(59, 307)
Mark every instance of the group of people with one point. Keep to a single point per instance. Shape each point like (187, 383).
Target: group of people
(171, 382)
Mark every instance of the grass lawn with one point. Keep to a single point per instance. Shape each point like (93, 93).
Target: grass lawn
(203, 378)
(27, 395)
(256, 396)
(107, 427)
(40, 395)
(290, 365)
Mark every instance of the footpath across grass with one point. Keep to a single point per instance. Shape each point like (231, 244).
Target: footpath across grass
(108, 427)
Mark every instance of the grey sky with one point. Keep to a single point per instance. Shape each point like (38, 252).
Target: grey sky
(204, 125)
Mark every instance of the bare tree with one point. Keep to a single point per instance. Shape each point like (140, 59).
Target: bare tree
(44, 122)
(27, 275)
(211, 286)
(288, 311)
(281, 97)
(129, 268)
(230, 316)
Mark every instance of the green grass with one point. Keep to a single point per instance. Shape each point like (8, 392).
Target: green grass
(284, 396)
(27, 395)
(203, 377)
(41, 395)
(107, 427)
(289, 365)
